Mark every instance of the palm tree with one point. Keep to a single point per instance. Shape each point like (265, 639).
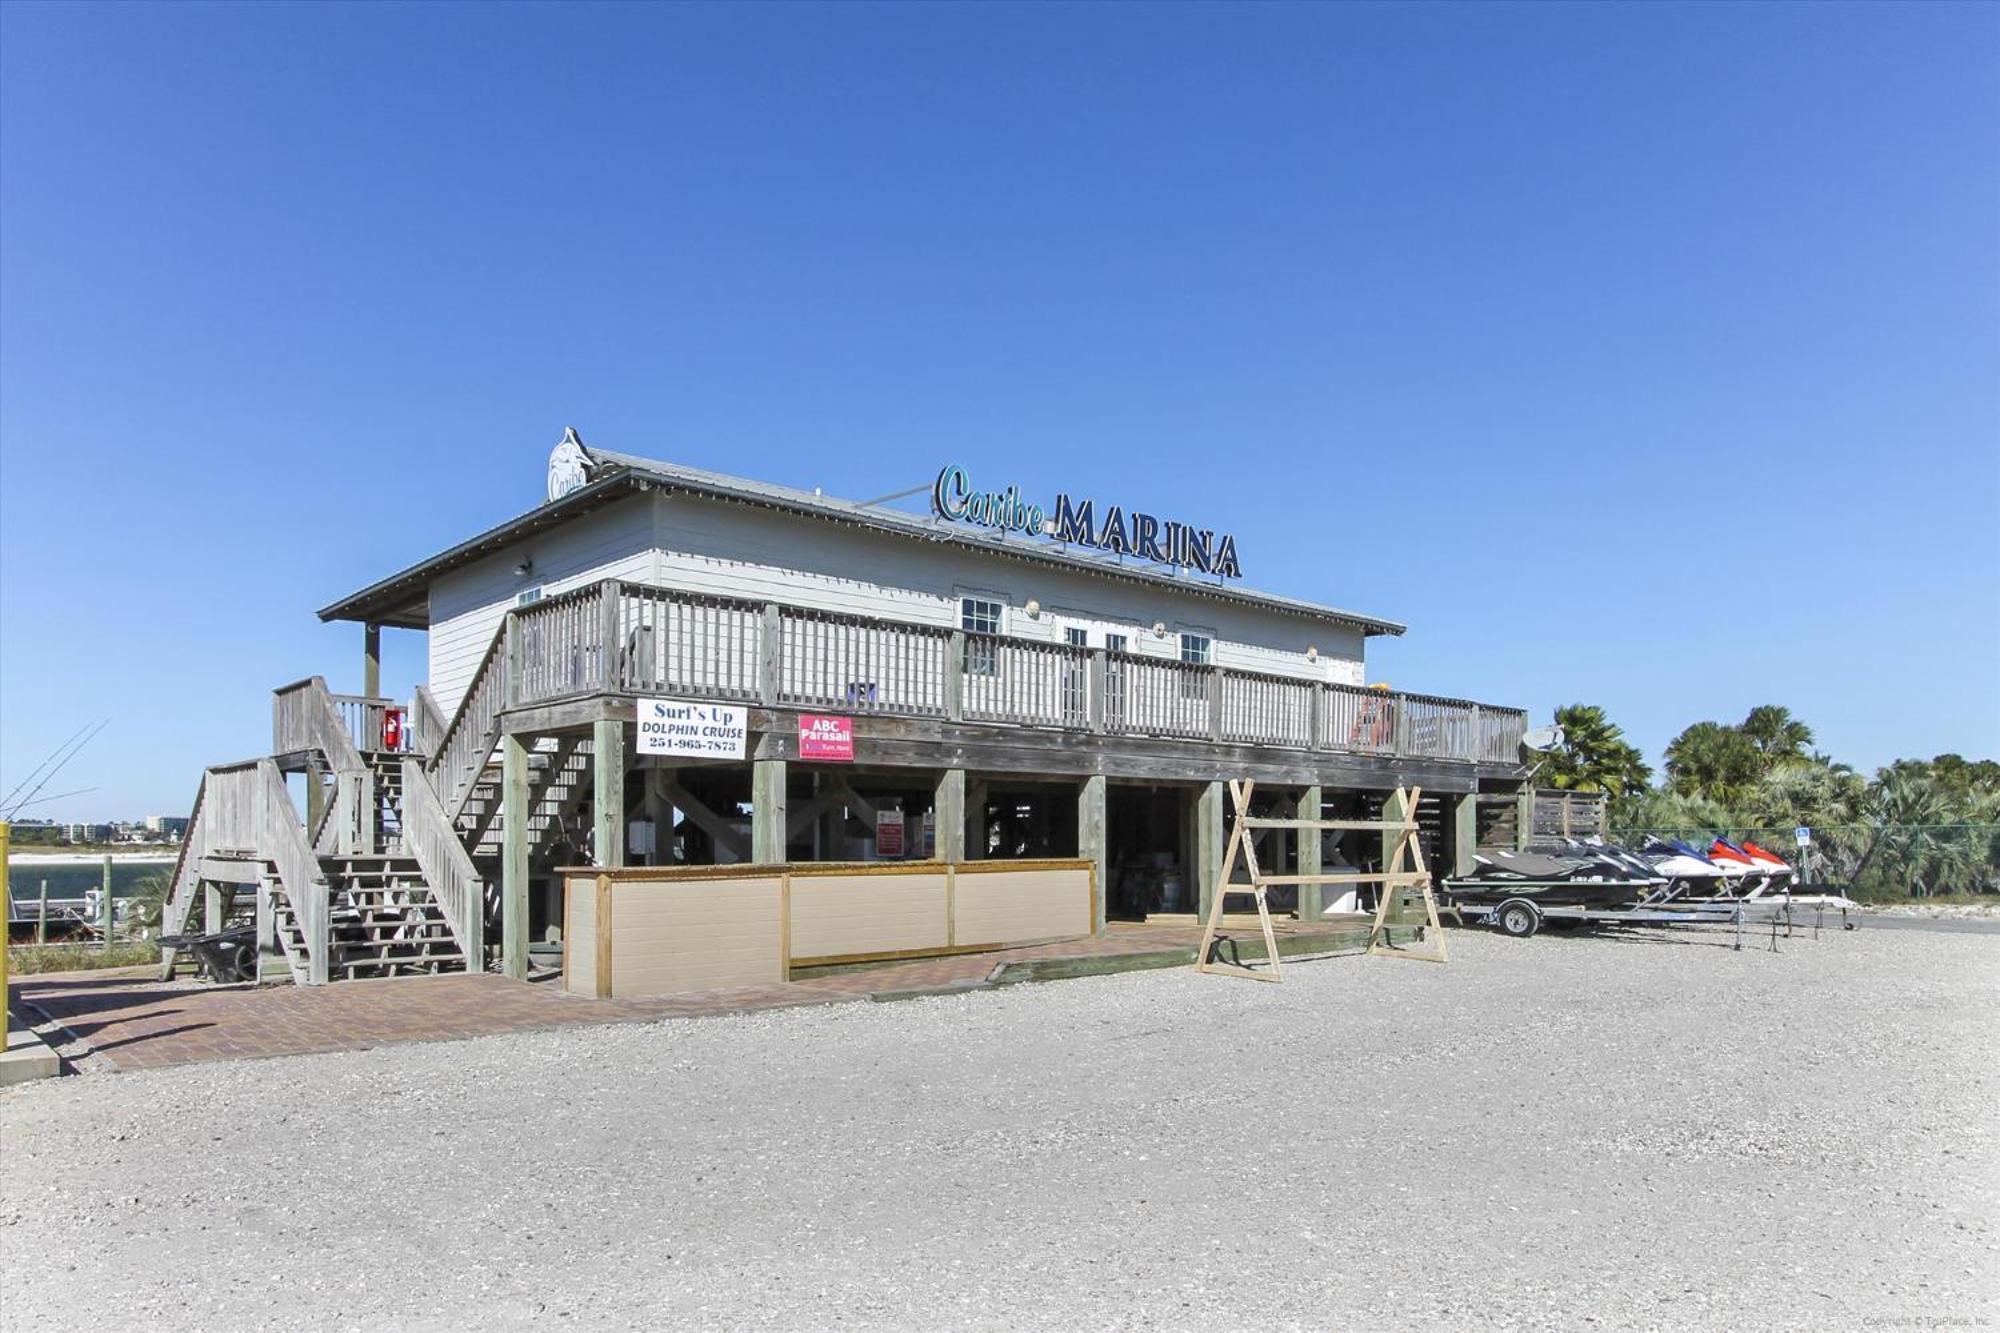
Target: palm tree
(1594, 755)
(1778, 736)
(1709, 759)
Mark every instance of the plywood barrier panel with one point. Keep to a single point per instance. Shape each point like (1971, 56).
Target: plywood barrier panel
(580, 934)
(671, 936)
(1003, 906)
(836, 916)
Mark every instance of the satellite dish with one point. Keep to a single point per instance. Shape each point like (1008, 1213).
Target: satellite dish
(1542, 739)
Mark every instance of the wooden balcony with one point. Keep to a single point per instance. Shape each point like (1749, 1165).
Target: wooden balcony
(615, 638)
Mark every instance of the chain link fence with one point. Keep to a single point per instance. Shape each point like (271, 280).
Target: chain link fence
(1875, 862)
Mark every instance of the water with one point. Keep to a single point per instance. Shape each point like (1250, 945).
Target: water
(72, 879)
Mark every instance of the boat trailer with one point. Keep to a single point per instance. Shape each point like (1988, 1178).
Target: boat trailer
(1522, 916)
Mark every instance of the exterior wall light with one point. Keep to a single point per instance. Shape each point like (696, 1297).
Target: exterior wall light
(525, 568)
(1032, 607)
(1159, 629)
(1312, 652)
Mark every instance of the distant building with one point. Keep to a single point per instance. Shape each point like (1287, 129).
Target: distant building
(167, 826)
(86, 832)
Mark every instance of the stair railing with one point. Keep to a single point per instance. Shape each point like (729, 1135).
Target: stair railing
(186, 878)
(281, 840)
(430, 836)
(305, 718)
(427, 725)
(467, 743)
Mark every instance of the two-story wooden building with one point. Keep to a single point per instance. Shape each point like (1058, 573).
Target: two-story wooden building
(659, 664)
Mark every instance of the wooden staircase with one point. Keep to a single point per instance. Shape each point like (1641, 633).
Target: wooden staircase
(384, 919)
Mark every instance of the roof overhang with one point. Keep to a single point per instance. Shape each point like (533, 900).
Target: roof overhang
(403, 599)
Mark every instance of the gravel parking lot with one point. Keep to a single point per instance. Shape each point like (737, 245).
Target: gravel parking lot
(1559, 1132)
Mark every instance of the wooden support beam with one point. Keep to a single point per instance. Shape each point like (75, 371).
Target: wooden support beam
(514, 851)
(371, 660)
(1208, 843)
(1092, 842)
(768, 829)
(975, 819)
(607, 793)
(1309, 826)
(948, 806)
(1464, 833)
(1524, 817)
(211, 908)
(697, 813)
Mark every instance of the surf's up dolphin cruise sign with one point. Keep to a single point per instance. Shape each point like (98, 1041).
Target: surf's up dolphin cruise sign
(1081, 523)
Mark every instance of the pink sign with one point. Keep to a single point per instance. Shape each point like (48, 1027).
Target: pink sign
(826, 738)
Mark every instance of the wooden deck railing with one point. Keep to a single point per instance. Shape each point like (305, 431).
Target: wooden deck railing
(666, 642)
(432, 838)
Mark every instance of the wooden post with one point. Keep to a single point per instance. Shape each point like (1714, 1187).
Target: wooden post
(211, 908)
(975, 819)
(1099, 673)
(610, 594)
(1396, 807)
(767, 812)
(1214, 678)
(770, 659)
(1464, 833)
(660, 813)
(1091, 840)
(1207, 843)
(104, 917)
(1524, 817)
(371, 660)
(514, 857)
(42, 917)
(1312, 897)
(949, 816)
(954, 677)
(607, 792)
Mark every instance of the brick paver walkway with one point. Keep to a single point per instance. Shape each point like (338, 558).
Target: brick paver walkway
(134, 1022)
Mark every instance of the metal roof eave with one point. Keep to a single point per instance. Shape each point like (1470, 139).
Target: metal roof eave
(383, 600)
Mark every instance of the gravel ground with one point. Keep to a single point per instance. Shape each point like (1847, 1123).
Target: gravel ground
(1560, 1132)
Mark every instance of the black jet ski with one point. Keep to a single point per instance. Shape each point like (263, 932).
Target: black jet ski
(1569, 878)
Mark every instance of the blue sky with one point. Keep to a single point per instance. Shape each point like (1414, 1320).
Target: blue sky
(1645, 356)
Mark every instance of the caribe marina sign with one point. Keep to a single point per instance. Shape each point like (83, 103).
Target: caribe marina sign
(1112, 530)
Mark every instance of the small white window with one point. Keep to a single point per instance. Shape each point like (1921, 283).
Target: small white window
(1076, 638)
(1194, 649)
(1114, 643)
(979, 616)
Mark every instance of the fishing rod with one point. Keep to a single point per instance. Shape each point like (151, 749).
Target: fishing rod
(80, 791)
(50, 775)
(36, 771)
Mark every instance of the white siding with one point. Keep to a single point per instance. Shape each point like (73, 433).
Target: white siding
(732, 550)
(468, 604)
(737, 551)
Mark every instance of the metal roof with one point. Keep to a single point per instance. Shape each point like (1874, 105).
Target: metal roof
(402, 599)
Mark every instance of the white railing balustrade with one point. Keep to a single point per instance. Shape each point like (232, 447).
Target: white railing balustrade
(630, 639)
(859, 665)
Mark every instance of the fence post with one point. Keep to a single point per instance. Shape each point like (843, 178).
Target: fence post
(1215, 703)
(510, 665)
(1316, 718)
(1478, 746)
(1094, 685)
(954, 677)
(610, 675)
(770, 659)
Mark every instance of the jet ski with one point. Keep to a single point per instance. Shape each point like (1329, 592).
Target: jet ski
(1687, 870)
(1780, 870)
(1550, 878)
(1744, 875)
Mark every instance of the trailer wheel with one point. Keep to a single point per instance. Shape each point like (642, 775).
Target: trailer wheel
(1518, 917)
